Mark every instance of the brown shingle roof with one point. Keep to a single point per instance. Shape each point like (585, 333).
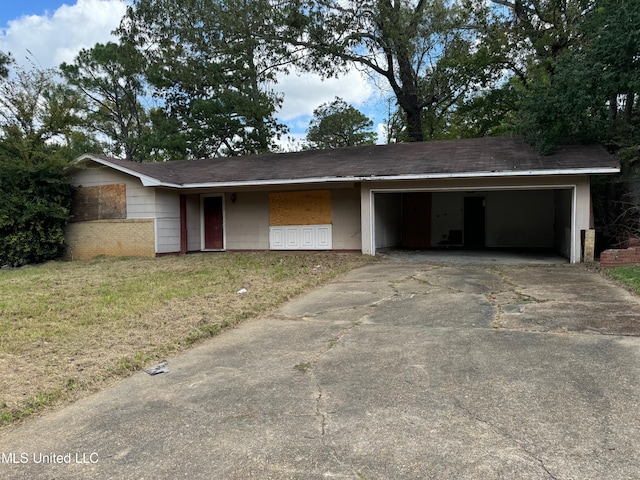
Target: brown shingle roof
(490, 156)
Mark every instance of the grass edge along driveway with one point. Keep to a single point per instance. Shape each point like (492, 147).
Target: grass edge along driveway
(71, 328)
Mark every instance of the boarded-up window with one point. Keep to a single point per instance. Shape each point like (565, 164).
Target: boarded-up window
(300, 208)
(106, 202)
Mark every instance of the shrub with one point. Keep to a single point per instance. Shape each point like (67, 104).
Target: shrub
(34, 208)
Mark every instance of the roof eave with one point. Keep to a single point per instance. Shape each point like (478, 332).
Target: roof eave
(146, 180)
(149, 181)
(370, 178)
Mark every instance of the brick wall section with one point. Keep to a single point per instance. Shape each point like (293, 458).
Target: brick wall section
(86, 240)
(619, 257)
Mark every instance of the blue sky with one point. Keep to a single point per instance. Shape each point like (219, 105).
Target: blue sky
(14, 9)
(53, 31)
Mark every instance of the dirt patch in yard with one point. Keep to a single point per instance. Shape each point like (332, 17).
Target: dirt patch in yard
(70, 328)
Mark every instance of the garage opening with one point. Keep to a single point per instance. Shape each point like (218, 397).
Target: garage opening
(536, 219)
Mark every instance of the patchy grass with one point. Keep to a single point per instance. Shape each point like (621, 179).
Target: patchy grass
(69, 328)
(628, 275)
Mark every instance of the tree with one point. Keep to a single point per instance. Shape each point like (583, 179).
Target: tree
(38, 117)
(5, 61)
(540, 31)
(423, 49)
(208, 64)
(38, 134)
(110, 76)
(591, 94)
(336, 125)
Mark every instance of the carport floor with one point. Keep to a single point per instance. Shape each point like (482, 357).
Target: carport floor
(475, 256)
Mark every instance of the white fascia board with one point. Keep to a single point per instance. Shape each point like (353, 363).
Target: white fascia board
(537, 173)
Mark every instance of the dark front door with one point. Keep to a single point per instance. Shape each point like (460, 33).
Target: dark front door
(213, 224)
(416, 220)
(474, 227)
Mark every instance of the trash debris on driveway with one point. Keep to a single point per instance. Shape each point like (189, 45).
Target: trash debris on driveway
(159, 368)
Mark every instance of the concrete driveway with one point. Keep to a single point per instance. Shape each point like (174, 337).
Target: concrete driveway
(396, 370)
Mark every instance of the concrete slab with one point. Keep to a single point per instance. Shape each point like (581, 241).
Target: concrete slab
(419, 373)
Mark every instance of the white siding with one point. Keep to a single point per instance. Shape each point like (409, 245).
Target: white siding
(167, 222)
(140, 199)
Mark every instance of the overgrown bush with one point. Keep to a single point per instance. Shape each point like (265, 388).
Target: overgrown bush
(34, 208)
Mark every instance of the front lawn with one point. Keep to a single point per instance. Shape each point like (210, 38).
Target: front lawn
(628, 275)
(69, 328)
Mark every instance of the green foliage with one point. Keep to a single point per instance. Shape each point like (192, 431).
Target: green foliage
(110, 77)
(39, 132)
(337, 124)
(38, 117)
(209, 67)
(424, 50)
(5, 61)
(590, 94)
(34, 211)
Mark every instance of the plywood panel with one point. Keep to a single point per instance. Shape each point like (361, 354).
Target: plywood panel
(105, 202)
(300, 208)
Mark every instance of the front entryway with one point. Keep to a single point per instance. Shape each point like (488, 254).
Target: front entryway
(213, 223)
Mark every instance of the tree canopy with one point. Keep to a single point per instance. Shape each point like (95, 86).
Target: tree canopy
(337, 124)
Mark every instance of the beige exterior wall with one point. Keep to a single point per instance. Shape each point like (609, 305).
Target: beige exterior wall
(86, 240)
(346, 219)
(247, 221)
(167, 221)
(194, 242)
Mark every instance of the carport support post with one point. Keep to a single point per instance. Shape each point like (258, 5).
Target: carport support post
(589, 246)
(581, 216)
(366, 219)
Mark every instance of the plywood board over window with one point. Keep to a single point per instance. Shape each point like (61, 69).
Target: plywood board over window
(311, 207)
(105, 202)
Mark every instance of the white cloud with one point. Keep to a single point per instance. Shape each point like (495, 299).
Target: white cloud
(305, 92)
(58, 37)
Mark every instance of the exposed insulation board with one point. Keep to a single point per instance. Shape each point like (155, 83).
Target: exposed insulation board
(311, 207)
(105, 202)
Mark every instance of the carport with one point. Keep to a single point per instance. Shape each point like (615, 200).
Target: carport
(501, 212)
(475, 219)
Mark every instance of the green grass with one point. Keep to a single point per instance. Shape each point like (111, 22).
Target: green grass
(628, 275)
(68, 328)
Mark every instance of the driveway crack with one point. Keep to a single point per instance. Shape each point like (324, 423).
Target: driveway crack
(503, 433)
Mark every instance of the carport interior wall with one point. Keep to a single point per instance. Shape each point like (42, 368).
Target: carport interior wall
(536, 218)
